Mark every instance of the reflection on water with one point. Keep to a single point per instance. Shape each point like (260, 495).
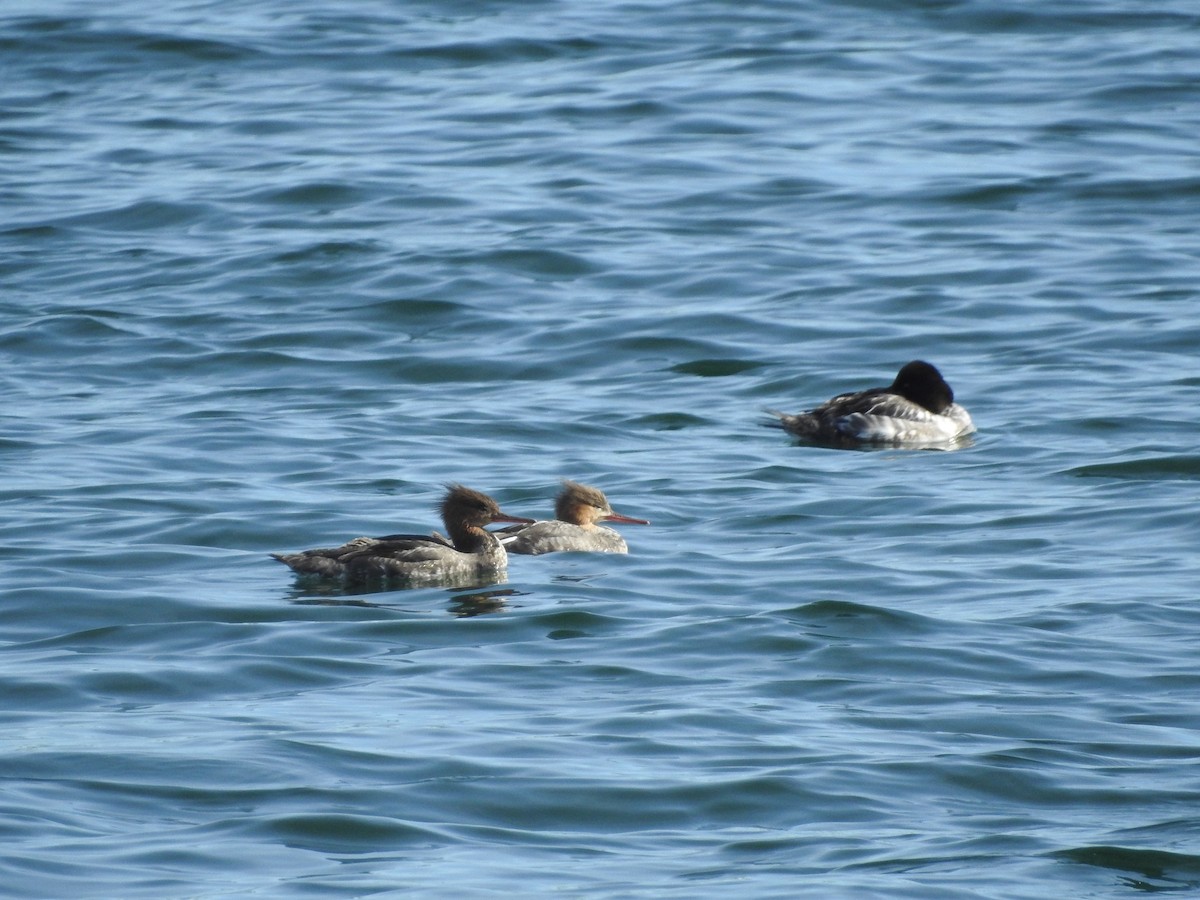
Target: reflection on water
(335, 601)
(964, 442)
(328, 593)
(478, 604)
(315, 586)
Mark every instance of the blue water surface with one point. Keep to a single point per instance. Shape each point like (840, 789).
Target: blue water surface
(274, 273)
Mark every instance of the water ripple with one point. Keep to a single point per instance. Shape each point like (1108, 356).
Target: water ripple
(275, 274)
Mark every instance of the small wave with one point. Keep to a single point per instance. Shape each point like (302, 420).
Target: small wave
(345, 833)
(1155, 468)
(716, 368)
(198, 49)
(550, 264)
(142, 215)
(669, 421)
(866, 619)
(478, 53)
(320, 194)
(1177, 870)
(327, 250)
(76, 36)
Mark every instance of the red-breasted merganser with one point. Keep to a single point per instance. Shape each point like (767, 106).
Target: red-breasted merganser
(578, 509)
(916, 409)
(419, 559)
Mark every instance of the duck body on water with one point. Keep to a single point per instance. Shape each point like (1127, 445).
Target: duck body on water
(471, 551)
(917, 410)
(578, 510)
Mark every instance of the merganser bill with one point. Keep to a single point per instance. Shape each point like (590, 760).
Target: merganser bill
(471, 551)
(916, 409)
(578, 509)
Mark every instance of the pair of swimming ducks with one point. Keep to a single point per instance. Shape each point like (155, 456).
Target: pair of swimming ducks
(917, 410)
(471, 550)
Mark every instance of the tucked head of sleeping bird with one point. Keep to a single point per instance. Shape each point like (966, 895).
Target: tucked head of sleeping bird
(924, 385)
(916, 410)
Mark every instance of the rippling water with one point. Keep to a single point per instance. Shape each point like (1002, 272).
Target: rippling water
(272, 275)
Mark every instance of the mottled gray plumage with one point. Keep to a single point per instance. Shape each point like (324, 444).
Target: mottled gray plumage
(578, 508)
(419, 559)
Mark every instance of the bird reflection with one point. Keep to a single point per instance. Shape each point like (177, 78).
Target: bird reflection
(475, 603)
(481, 603)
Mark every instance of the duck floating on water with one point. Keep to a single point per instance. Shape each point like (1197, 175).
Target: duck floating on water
(577, 510)
(471, 552)
(916, 409)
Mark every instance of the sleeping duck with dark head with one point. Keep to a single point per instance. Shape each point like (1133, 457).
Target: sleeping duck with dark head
(917, 410)
(577, 510)
(471, 552)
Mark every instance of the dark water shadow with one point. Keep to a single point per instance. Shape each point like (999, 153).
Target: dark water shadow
(1152, 870)
(481, 603)
(461, 605)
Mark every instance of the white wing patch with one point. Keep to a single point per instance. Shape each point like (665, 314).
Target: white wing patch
(895, 420)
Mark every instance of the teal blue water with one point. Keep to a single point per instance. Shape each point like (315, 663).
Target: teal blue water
(273, 273)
